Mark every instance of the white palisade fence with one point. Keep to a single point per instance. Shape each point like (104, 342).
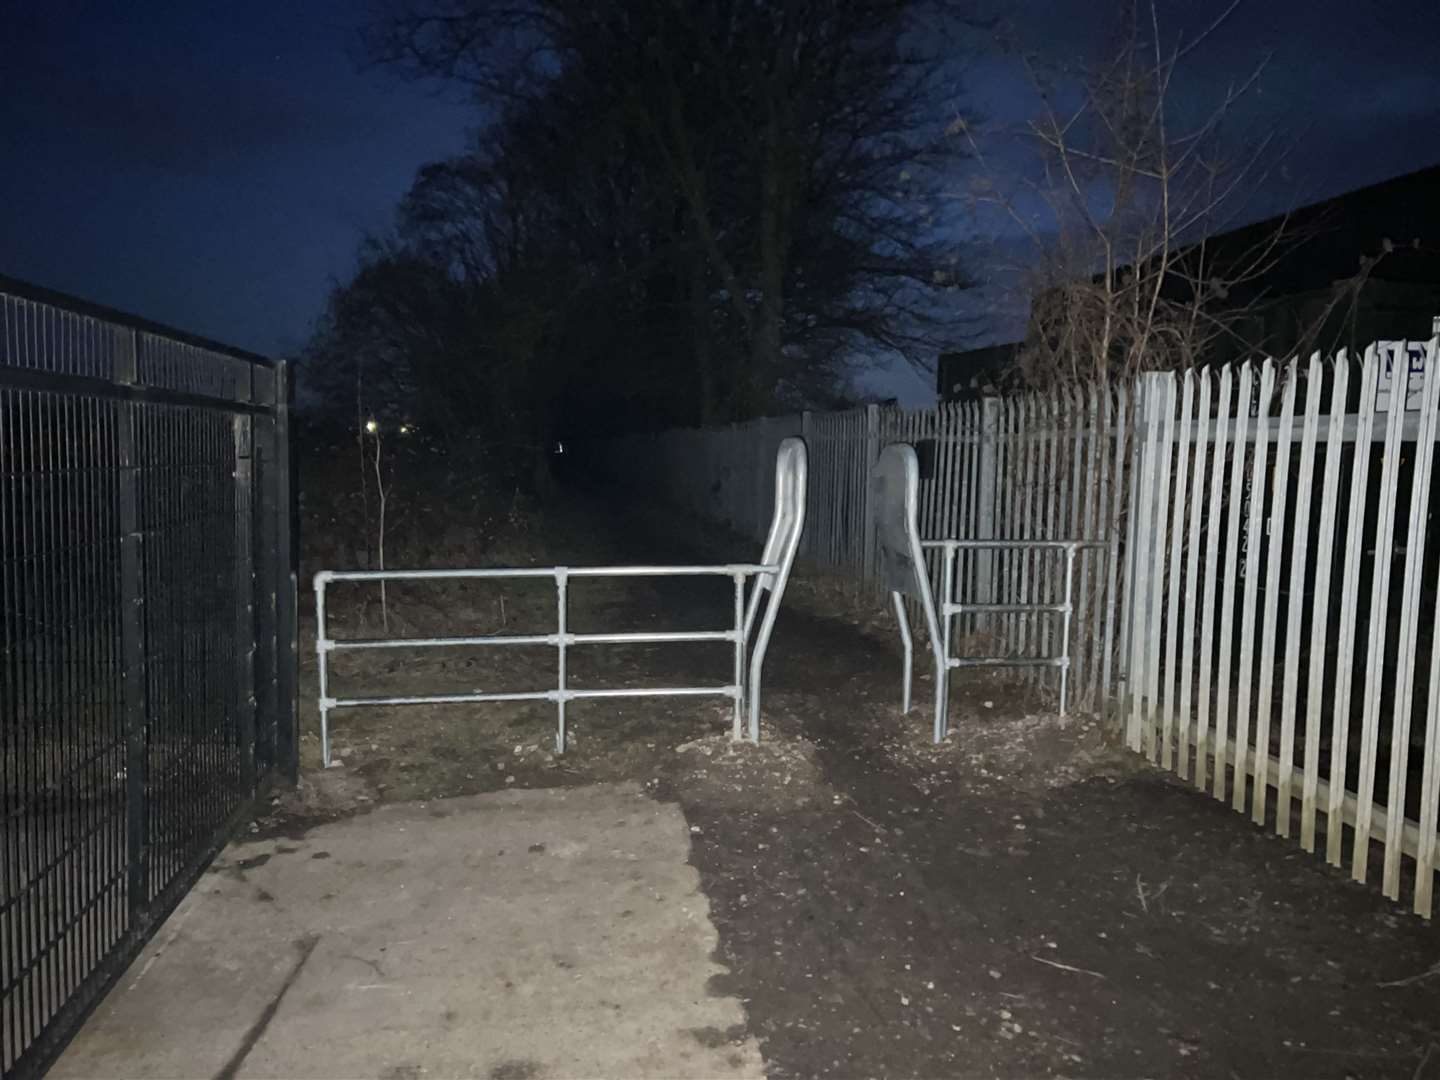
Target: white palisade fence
(1264, 616)
(1285, 654)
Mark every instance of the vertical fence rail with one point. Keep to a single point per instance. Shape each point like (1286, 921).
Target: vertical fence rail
(1214, 517)
(1273, 538)
(1194, 436)
(1348, 591)
(1304, 484)
(1410, 617)
(1321, 633)
(1249, 558)
(1174, 599)
(1118, 415)
(1374, 670)
(146, 623)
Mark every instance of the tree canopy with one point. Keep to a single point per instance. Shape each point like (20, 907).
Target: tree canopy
(672, 212)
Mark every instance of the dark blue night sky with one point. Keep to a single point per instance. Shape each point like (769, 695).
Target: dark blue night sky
(214, 166)
(209, 165)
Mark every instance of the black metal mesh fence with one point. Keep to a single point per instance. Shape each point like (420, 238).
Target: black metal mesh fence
(146, 638)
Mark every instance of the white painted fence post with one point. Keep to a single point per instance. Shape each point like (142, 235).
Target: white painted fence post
(1140, 545)
(986, 437)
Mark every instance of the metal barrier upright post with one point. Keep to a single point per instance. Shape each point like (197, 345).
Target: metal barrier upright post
(1065, 626)
(908, 644)
(322, 646)
(561, 581)
(739, 709)
(942, 674)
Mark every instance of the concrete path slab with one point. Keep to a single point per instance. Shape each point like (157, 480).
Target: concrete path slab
(524, 935)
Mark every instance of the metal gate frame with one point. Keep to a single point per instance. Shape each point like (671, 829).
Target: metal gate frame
(951, 608)
(771, 574)
(893, 488)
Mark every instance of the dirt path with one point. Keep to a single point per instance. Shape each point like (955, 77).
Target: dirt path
(1019, 902)
(931, 922)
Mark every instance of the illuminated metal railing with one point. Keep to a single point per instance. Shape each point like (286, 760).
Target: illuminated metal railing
(770, 576)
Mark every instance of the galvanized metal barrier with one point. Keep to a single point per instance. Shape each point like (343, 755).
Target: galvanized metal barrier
(1039, 464)
(894, 498)
(951, 608)
(770, 576)
(893, 495)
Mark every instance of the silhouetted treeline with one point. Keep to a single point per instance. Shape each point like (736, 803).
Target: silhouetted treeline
(673, 212)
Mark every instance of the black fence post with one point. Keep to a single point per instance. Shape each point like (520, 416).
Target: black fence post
(265, 588)
(132, 636)
(245, 578)
(287, 728)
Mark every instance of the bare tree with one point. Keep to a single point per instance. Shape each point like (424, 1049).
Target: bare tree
(782, 149)
(1128, 272)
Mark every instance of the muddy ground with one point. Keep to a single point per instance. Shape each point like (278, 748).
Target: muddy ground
(1023, 900)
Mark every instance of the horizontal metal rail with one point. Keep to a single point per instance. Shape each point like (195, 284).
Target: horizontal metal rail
(40, 295)
(337, 644)
(561, 640)
(93, 386)
(542, 695)
(1013, 545)
(551, 572)
(660, 637)
(658, 691)
(639, 638)
(1271, 429)
(955, 607)
(1009, 661)
(440, 699)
